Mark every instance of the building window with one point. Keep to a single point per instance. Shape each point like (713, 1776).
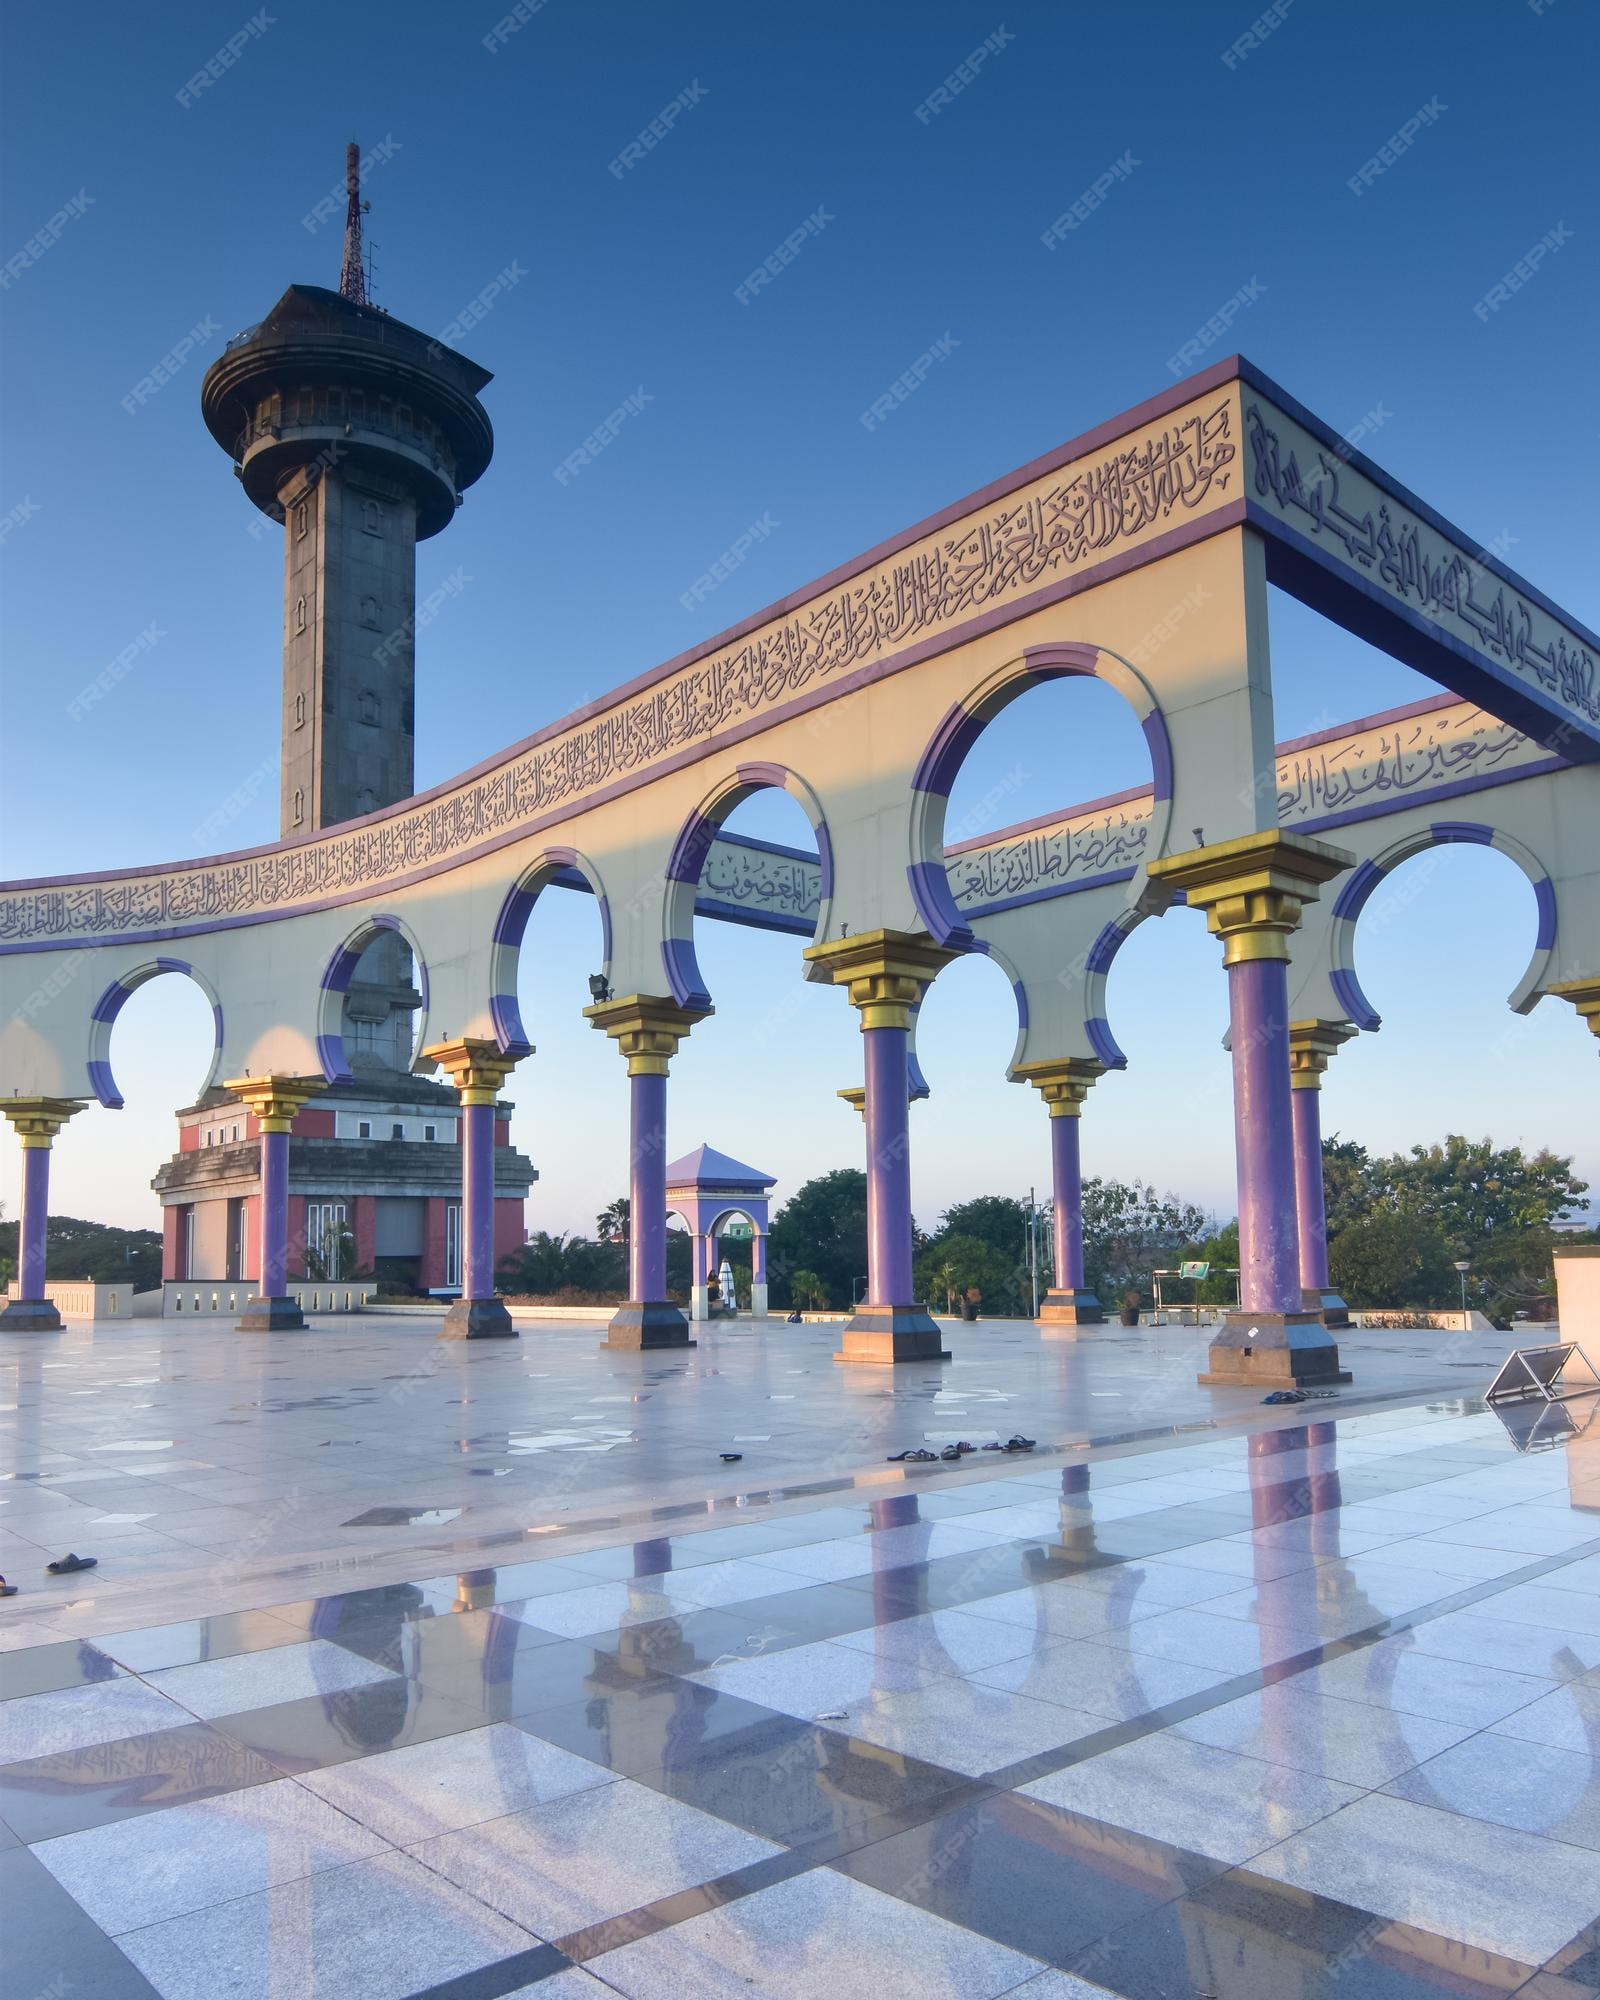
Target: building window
(299, 614)
(430, 1132)
(364, 1129)
(299, 711)
(452, 1245)
(368, 705)
(236, 1135)
(211, 1137)
(371, 517)
(299, 806)
(330, 1250)
(397, 1132)
(369, 613)
(302, 521)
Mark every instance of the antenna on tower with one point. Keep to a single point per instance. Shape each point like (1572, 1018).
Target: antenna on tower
(352, 274)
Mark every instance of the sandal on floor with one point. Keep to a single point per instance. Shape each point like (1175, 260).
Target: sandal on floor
(732, 1457)
(951, 1451)
(993, 1445)
(964, 1447)
(1020, 1443)
(7, 1589)
(916, 1456)
(67, 1564)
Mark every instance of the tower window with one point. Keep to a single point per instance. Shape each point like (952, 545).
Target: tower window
(299, 806)
(302, 521)
(430, 1131)
(299, 711)
(369, 707)
(397, 1132)
(364, 1129)
(299, 614)
(371, 518)
(369, 613)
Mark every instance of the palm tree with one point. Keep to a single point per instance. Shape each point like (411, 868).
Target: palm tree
(611, 1224)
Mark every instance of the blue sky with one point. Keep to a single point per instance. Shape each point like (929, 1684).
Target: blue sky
(120, 524)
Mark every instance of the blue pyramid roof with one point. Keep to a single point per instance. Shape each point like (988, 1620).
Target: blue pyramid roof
(706, 1167)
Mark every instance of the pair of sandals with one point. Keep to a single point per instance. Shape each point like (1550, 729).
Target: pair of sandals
(919, 1456)
(66, 1565)
(1299, 1396)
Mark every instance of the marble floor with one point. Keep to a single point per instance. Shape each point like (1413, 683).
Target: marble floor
(1286, 1705)
(210, 1471)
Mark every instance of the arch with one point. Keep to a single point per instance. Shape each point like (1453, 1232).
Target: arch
(1364, 880)
(110, 1005)
(950, 743)
(980, 948)
(554, 864)
(714, 1225)
(687, 864)
(336, 984)
(1097, 964)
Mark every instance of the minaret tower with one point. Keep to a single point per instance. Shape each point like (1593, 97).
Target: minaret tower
(359, 434)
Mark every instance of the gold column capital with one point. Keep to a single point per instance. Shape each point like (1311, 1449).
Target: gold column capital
(1312, 1046)
(38, 1119)
(1585, 996)
(646, 1028)
(1252, 889)
(1062, 1081)
(885, 973)
(476, 1065)
(855, 1097)
(275, 1100)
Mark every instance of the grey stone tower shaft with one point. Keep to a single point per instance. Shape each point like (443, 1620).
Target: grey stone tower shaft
(359, 434)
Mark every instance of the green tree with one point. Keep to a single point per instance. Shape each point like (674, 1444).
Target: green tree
(808, 1291)
(952, 1265)
(822, 1228)
(547, 1265)
(75, 1248)
(1390, 1258)
(999, 1221)
(1128, 1229)
(1472, 1190)
(1350, 1181)
(611, 1224)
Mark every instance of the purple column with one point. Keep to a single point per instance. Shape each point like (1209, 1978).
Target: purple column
(647, 1190)
(274, 1213)
(34, 1223)
(1263, 1136)
(1308, 1192)
(888, 1168)
(477, 1201)
(1067, 1203)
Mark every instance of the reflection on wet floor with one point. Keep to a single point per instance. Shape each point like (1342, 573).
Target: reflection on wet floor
(1302, 1715)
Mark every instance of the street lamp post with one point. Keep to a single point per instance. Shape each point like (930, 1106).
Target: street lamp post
(1463, 1265)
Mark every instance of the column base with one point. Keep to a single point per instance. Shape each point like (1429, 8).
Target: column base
(1070, 1308)
(1273, 1351)
(270, 1316)
(880, 1336)
(648, 1323)
(758, 1301)
(29, 1316)
(478, 1319)
(699, 1302)
(1331, 1307)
